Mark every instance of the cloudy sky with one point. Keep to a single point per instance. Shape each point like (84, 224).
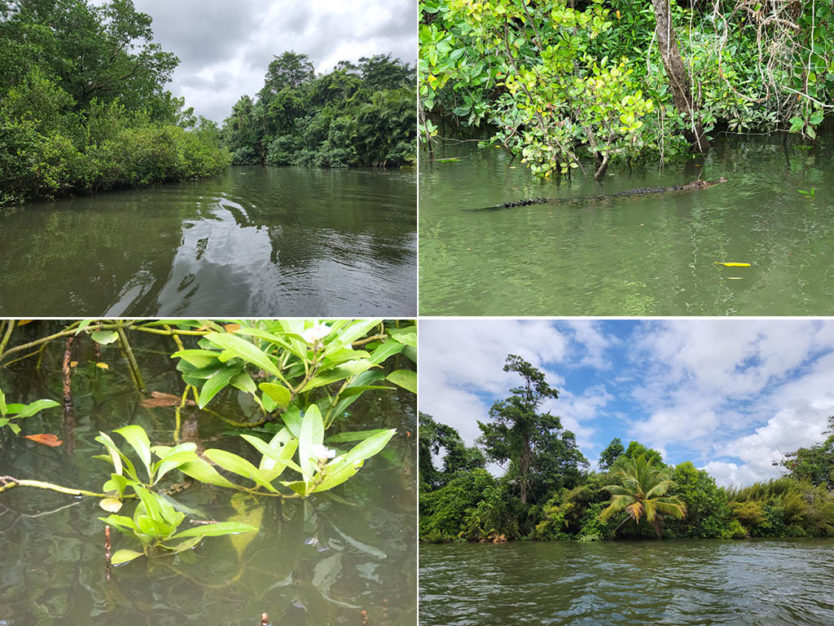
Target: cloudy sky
(730, 395)
(225, 47)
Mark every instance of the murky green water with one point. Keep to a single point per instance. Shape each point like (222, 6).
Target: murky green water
(320, 561)
(251, 241)
(654, 255)
(673, 582)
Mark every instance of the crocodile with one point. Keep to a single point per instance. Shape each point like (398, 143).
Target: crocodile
(695, 185)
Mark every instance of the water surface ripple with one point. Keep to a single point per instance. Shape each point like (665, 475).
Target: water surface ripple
(646, 255)
(252, 241)
(673, 582)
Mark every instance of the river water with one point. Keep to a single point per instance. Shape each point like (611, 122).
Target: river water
(253, 241)
(323, 560)
(673, 582)
(651, 255)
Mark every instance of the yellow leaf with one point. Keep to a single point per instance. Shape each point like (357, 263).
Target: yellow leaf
(111, 505)
(732, 264)
(73, 363)
(103, 366)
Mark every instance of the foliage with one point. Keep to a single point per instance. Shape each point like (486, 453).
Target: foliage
(612, 452)
(83, 106)
(814, 464)
(355, 115)
(443, 511)
(295, 379)
(641, 490)
(558, 83)
(17, 411)
(457, 457)
(542, 455)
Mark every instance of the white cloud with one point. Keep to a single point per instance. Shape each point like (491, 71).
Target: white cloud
(225, 47)
(461, 359)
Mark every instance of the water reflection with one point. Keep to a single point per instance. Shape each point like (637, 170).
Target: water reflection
(321, 561)
(651, 255)
(253, 241)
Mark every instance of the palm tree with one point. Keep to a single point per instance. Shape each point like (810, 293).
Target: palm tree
(641, 491)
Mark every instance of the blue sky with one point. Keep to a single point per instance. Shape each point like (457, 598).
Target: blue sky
(730, 395)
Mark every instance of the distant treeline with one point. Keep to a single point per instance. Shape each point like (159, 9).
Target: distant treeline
(358, 114)
(549, 494)
(83, 106)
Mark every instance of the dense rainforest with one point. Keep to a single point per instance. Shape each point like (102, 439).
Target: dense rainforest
(548, 493)
(357, 114)
(83, 104)
(576, 84)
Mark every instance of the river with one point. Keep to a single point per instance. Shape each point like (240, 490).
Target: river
(651, 255)
(252, 241)
(323, 560)
(674, 582)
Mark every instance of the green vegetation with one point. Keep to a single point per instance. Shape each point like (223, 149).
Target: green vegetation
(83, 106)
(16, 411)
(562, 83)
(355, 115)
(632, 495)
(293, 380)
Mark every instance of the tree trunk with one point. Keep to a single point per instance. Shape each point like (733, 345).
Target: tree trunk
(525, 466)
(678, 76)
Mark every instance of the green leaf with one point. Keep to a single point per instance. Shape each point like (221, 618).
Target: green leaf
(346, 370)
(216, 383)
(280, 394)
(311, 435)
(205, 473)
(2, 403)
(112, 449)
(123, 556)
(176, 457)
(182, 545)
(407, 335)
(245, 350)
(405, 379)
(238, 465)
(104, 337)
(275, 457)
(28, 410)
(198, 358)
(357, 435)
(138, 439)
(216, 530)
(370, 446)
(244, 382)
(292, 420)
(386, 350)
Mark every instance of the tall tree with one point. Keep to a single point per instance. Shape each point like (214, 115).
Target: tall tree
(613, 452)
(541, 453)
(288, 70)
(457, 456)
(814, 464)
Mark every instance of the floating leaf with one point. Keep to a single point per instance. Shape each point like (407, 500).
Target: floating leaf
(732, 264)
(45, 439)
